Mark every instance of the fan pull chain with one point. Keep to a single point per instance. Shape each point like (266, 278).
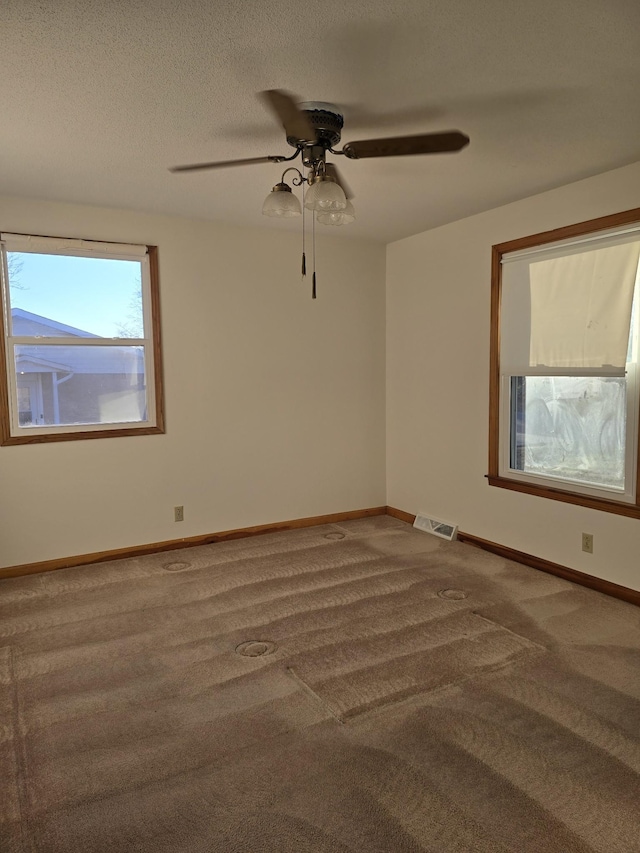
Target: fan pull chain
(304, 256)
(313, 234)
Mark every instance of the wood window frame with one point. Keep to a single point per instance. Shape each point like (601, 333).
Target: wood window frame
(108, 431)
(565, 495)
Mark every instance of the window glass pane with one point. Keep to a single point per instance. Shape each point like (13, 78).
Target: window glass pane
(71, 385)
(54, 295)
(570, 428)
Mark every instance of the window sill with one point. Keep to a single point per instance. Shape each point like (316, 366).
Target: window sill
(616, 507)
(41, 438)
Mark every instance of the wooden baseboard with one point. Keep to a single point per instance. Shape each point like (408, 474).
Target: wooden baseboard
(174, 544)
(609, 588)
(401, 514)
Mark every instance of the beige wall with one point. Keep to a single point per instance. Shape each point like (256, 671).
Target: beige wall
(438, 286)
(274, 402)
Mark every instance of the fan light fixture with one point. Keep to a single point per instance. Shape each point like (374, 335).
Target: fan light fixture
(281, 202)
(325, 193)
(337, 217)
(325, 196)
(325, 200)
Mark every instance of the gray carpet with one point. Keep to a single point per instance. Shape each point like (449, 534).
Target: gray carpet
(353, 687)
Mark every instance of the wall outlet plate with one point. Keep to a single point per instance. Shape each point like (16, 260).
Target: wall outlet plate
(178, 513)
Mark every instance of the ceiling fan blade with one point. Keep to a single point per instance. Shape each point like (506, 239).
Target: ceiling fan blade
(401, 146)
(333, 172)
(295, 122)
(222, 164)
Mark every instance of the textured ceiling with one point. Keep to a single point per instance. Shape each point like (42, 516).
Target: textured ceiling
(99, 98)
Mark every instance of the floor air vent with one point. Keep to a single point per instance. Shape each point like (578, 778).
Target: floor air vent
(439, 528)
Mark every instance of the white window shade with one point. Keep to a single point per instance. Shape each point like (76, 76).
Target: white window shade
(567, 311)
(47, 245)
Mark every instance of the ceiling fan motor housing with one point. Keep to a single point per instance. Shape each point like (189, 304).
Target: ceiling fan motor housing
(326, 120)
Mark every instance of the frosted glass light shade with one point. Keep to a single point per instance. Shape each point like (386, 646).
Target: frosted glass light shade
(337, 217)
(281, 202)
(325, 194)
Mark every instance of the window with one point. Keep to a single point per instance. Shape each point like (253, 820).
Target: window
(80, 353)
(565, 364)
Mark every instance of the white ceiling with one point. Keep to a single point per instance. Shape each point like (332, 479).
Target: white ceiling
(99, 98)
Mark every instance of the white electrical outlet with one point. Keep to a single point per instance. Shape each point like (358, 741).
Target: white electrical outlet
(587, 543)
(178, 513)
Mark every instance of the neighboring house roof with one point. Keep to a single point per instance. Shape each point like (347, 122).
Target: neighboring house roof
(27, 362)
(27, 323)
(49, 358)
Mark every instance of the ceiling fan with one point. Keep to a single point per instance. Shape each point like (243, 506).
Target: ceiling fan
(314, 128)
